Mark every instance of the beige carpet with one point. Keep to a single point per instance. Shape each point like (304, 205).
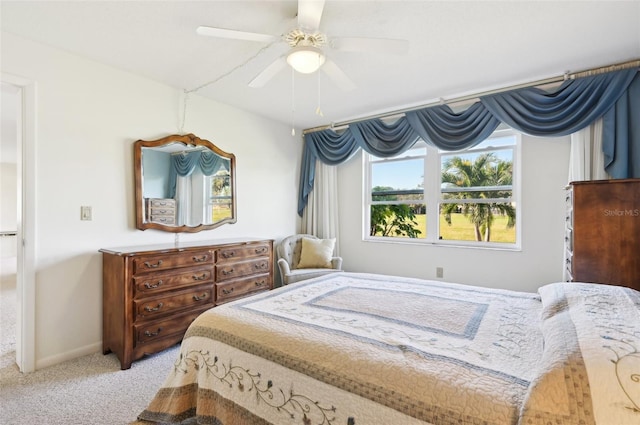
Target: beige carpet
(84, 391)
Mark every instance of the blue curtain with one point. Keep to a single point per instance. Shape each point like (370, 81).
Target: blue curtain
(565, 110)
(184, 164)
(621, 134)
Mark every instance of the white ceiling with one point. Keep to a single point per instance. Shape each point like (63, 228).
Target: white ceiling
(456, 47)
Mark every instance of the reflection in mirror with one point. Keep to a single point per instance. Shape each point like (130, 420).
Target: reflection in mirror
(183, 184)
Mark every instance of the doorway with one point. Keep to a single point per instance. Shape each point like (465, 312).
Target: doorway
(17, 221)
(10, 107)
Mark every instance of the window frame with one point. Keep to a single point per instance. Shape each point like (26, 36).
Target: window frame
(210, 197)
(433, 195)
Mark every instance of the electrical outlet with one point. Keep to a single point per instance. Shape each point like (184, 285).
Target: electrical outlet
(439, 272)
(85, 213)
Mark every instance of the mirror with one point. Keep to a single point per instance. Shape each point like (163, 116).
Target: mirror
(183, 184)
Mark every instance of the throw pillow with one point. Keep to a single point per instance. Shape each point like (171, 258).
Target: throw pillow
(316, 253)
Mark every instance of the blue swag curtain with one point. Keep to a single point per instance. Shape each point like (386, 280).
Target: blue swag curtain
(183, 165)
(575, 104)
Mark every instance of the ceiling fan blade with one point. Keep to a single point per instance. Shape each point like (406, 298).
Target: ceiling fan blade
(337, 75)
(374, 45)
(309, 14)
(268, 73)
(234, 34)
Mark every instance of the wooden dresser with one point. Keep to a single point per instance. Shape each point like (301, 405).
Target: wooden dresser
(603, 232)
(151, 294)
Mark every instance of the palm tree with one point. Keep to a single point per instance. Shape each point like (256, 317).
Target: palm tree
(486, 170)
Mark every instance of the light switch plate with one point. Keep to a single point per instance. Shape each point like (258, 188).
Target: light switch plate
(85, 213)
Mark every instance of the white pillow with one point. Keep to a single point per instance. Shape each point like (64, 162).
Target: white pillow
(316, 253)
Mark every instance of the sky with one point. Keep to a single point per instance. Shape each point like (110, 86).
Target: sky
(409, 174)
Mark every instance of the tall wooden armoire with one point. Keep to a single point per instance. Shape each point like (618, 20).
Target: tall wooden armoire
(603, 232)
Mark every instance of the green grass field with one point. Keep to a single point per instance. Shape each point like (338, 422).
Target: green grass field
(461, 229)
(220, 213)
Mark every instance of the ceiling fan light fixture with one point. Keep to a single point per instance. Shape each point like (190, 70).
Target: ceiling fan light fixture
(305, 59)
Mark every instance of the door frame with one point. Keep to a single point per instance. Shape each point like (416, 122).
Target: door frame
(26, 222)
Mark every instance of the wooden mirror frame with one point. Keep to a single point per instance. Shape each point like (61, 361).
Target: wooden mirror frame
(189, 140)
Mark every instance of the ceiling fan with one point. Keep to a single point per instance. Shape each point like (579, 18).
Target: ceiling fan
(308, 45)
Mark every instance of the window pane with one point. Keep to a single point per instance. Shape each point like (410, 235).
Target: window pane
(397, 180)
(220, 196)
(478, 222)
(398, 220)
(221, 209)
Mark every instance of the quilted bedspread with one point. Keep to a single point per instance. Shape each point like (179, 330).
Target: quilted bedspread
(359, 349)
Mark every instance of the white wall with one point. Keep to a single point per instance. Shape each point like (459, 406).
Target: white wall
(88, 116)
(544, 175)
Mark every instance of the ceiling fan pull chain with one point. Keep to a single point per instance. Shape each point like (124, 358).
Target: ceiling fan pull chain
(184, 111)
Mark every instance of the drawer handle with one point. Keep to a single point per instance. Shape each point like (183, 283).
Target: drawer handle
(150, 309)
(227, 291)
(152, 266)
(201, 259)
(228, 254)
(150, 286)
(260, 266)
(199, 298)
(260, 283)
(261, 250)
(203, 277)
(156, 333)
(227, 272)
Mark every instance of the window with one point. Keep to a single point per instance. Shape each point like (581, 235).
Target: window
(472, 194)
(219, 197)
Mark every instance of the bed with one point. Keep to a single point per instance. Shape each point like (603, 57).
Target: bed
(361, 349)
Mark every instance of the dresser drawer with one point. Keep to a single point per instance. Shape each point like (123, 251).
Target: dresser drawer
(241, 268)
(237, 288)
(241, 252)
(164, 219)
(148, 284)
(151, 263)
(161, 203)
(159, 306)
(159, 329)
(162, 211)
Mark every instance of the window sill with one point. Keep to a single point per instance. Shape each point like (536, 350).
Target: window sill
(445, 244)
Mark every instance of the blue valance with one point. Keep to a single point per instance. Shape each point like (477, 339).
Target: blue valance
(183, 164)
(446, 130)
(572, 106)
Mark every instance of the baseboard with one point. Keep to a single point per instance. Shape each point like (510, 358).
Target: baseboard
(69, 355)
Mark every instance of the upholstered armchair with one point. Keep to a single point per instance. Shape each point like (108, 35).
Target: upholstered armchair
(303, 256)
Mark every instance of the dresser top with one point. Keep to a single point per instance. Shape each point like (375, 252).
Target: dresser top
(182, 246)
